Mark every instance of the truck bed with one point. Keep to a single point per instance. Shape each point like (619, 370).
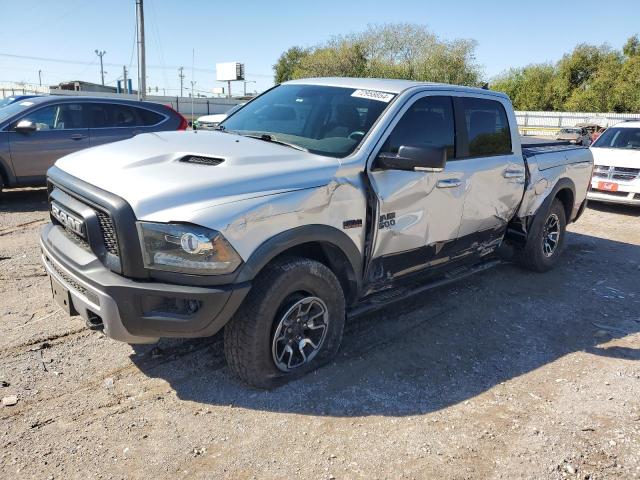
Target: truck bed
(550, 156)
(531, 149)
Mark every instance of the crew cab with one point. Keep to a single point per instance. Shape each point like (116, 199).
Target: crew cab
(319, 200)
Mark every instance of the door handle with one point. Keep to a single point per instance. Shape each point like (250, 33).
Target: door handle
(449, 183)
(513, 174)
(77, 136)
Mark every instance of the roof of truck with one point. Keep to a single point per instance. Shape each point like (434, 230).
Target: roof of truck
(388, 85)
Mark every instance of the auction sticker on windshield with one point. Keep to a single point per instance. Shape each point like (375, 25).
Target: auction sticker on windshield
(373, 95)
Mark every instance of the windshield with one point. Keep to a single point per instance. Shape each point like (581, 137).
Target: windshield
(10, 110)
(324, 120)
(617, 138)
(235, 108)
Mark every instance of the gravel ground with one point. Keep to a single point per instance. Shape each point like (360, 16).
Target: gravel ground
(508, 374)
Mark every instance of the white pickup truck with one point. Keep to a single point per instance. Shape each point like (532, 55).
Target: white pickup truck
(319, 200)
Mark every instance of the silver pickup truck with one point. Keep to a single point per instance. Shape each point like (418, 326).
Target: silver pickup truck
(319, 200)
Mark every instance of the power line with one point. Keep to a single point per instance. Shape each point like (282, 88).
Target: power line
(159, 67)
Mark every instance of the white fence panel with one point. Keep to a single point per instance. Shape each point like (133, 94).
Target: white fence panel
(549, 123)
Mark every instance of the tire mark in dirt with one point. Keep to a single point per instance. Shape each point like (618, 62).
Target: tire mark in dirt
(367, 344)
(57, 336)
(15, 228)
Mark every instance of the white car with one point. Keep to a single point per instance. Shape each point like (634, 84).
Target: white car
(211, 122)
(616, 173)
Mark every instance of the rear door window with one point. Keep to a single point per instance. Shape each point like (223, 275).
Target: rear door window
(109, 115)
(148, 118)
(486, 126)
(122, 116)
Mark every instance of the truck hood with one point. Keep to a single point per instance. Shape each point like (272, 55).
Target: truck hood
(616, 157)
(148, 170)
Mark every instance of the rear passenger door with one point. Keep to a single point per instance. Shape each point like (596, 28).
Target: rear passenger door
(494, 174)
(111, 122)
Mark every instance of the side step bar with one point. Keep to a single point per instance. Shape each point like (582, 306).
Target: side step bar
(388, 297)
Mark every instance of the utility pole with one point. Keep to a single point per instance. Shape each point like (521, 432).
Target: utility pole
(193, 83)
(124, 74)
(245, 85)
(101, 54)
(40, 77)
(181, 75)
(142, 65)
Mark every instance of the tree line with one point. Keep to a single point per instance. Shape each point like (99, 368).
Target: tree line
(404, 51)
(590, 78)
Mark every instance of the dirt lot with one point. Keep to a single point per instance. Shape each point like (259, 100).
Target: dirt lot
(507, 375)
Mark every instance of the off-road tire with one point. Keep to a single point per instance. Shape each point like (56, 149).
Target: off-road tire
(248, 336)
(532, 256)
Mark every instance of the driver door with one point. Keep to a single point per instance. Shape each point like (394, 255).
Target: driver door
(419, 212)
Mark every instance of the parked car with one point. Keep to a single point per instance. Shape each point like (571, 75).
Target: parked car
(14, 98)
(616, 174)
(36, 132)
(319, 200)
(211, 122)
(575, 135)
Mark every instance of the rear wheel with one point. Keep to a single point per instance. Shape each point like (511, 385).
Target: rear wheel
(290, 324)
(545, 241)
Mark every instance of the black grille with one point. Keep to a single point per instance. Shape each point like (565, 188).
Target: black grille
(75, 238)
(108, 233)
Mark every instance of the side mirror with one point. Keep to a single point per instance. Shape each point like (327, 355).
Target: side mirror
(25, 126)
(426, 159)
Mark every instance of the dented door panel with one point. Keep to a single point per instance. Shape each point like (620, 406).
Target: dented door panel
(418, 222)
(494, 188)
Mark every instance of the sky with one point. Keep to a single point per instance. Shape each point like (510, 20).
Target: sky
(60, 37)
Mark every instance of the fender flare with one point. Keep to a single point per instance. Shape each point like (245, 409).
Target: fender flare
(561, 184)
(288, 239)
(519, 227)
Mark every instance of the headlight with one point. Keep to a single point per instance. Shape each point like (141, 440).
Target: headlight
(186, 249)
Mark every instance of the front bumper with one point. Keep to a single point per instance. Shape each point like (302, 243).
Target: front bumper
(620, 196)
(134, 311)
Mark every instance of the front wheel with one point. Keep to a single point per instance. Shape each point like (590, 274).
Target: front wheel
(545, 241)
(290, 324)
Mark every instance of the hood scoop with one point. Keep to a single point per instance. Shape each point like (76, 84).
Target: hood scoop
(198, 160)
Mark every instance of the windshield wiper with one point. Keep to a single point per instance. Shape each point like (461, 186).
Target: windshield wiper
(270, 138)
